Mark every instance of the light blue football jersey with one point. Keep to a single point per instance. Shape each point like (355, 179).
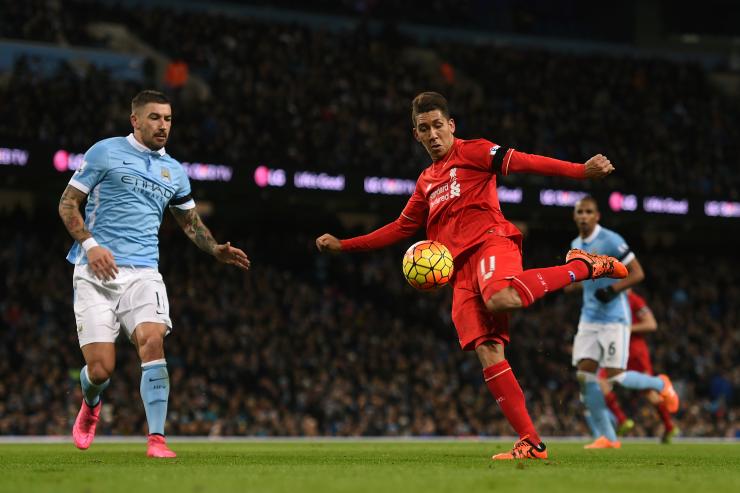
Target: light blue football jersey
(128, 187)
(604, 242)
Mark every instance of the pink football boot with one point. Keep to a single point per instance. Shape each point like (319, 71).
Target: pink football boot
(157, 447)
(83, 431)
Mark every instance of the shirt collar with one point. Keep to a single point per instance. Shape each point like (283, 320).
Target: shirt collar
(593, 234)
(141, 147)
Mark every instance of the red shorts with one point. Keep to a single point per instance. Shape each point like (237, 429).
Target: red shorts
(482, 273)
(640, 357)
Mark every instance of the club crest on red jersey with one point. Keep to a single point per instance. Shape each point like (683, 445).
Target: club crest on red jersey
(454, 185)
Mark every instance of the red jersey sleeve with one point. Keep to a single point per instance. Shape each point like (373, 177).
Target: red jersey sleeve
(480, 152)
(637, 303)
(494, 158)
(513, 161)
(410, 220)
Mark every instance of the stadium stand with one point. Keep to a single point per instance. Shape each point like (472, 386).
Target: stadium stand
(308, 346)
(296, 96)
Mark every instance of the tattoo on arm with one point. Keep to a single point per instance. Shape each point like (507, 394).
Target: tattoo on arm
(69, 211)
(194, 228)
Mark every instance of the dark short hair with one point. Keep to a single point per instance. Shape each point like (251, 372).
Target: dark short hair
(428, 101)
(590, 198)
(148, 96)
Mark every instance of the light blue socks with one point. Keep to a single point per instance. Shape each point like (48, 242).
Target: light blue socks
(594, 401)
(90, 391)
(155, 392)
(638, 381)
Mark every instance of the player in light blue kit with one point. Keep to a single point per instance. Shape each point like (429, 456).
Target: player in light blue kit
(604, 327)
(128, 182)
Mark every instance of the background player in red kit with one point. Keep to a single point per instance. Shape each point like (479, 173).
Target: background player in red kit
(643, 321)
(456, 197)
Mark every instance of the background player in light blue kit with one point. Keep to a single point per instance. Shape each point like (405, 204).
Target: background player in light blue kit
(604, 326)
(128, 182)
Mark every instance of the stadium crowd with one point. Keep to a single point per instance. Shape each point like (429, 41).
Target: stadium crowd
(312, 345)
(338, 100)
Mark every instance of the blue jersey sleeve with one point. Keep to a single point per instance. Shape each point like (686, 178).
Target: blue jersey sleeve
(182, 198)
(93, 168)
(618, 248)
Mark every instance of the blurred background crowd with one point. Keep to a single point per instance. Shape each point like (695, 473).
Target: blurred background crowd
(311, 345)
(314, 345)
(339, 99)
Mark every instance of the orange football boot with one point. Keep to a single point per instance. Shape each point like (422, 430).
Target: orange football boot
(598, 265)
(523, 449)
(603, 442)
(669, 395)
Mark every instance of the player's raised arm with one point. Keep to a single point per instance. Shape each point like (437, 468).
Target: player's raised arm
(100, 259)
(191, 223)
(598, 167)
(328, 243)
(410, 220)
(506, 161)
(387, 235)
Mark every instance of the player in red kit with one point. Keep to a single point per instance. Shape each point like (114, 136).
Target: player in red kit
(643, 321)
(457, 200)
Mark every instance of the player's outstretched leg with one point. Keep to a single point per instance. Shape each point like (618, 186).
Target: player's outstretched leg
(83, 431)
(155, 391)
(642, 381)
(598, 265)
(533, 284)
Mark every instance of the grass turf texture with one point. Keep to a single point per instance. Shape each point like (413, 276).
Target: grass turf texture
(367, 466)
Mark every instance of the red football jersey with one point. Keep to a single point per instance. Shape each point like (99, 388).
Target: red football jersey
(458, 199)
(637, 304)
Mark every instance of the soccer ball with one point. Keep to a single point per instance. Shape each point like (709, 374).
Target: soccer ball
(427, 265)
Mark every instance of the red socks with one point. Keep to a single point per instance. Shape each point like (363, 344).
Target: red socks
(665, 416)
(533, 284)
(502, 383)
(613, 405)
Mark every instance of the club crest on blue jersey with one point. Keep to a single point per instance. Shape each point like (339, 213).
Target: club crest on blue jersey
(166, 174)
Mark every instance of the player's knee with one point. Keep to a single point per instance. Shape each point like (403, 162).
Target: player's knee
(151, 346)
(490, 353)
(503, 300)
(615, 377)
(152, 343)
(99, 371)
(585, 377)
(587, 365)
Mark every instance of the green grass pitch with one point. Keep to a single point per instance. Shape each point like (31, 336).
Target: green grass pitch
(367, 466)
